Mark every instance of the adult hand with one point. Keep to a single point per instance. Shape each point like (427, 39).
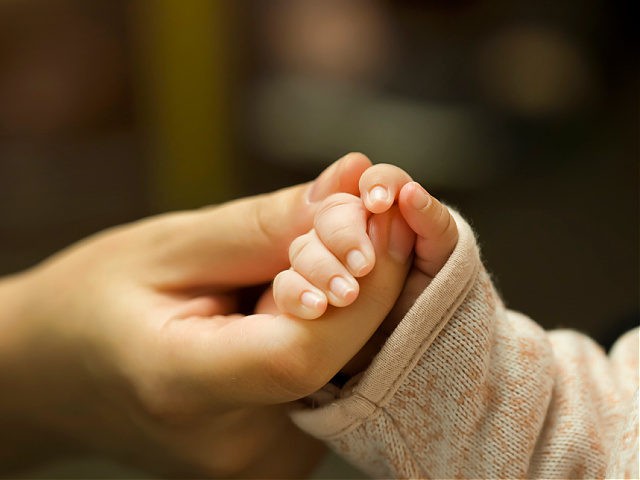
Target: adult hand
(126, 343)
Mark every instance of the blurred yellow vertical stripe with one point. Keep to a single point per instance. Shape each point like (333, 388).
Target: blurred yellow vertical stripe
(185, 81)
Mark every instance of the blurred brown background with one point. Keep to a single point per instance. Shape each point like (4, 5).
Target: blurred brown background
(523, 115)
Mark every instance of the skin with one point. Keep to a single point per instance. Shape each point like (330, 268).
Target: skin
(343, 225)
(127, 344)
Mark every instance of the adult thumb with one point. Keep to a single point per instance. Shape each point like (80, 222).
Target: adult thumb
(245, 242)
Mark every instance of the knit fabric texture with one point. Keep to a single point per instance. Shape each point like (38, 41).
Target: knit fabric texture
(465, 388)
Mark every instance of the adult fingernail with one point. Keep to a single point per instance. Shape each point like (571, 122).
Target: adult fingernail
(401, 240)
(420, 198)
(311, 300)
(356, 261)
(341, 288)
(378, 194)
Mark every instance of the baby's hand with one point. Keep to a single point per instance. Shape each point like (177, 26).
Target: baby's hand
(326, 261)
(437, 234)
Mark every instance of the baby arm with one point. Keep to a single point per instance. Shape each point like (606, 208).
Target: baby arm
(463, 387)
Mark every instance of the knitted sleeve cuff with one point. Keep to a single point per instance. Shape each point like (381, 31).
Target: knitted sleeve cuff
(359, 407)
(464, 388)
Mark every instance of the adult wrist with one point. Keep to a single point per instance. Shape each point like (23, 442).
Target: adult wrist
(22, 432)
(15, 327)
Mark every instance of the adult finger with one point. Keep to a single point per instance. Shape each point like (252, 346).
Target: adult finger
(243, 242)
(277, 358)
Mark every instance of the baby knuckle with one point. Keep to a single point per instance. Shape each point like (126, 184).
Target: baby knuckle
(333, 201)
(320, 270)
(298, 245)
(339, 235)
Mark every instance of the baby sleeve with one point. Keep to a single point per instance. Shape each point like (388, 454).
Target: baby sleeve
(464, 388)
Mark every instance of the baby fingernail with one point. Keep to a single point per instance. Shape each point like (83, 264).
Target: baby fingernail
(356, 261)
(378, 194)
(420, 198)
(341, 288)
(311, 300)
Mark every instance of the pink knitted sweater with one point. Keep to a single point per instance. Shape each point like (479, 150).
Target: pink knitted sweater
(465, 388)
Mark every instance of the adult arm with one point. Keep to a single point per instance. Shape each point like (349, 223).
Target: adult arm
(127, 344)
